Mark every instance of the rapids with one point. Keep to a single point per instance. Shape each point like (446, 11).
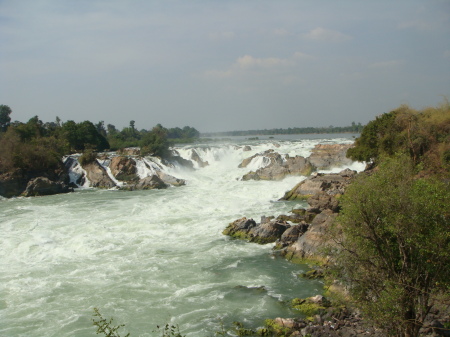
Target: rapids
(148, 258)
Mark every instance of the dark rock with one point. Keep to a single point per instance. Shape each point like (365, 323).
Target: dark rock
(248, 229)
(246, 148)
(148, 183)
(44, 186)
(291, 235)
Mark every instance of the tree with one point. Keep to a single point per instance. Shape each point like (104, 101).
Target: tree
(5, 111)
(155, 142)
(394, 238)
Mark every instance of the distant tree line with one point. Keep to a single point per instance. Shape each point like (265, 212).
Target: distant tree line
(36, 145)
(354, 128)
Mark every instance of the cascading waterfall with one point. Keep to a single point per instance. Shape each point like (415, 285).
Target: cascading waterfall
(150, 257)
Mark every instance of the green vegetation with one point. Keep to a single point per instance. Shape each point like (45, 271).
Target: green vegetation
(35, 145)
(393, 233)
(424, 135)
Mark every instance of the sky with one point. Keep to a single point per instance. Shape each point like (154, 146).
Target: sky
(222, 65)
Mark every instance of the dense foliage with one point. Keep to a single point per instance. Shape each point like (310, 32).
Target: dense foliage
(35, 145)
(395, 240)
(393, 233)
(424, 135)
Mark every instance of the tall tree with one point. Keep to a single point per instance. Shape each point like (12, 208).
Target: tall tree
(5, 119)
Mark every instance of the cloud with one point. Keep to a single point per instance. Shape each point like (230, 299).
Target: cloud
(323, 34)
(248, 63)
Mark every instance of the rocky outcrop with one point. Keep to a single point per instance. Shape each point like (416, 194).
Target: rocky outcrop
(332, 184)
(97, 175)
(277, 166)
(170, 180)
(326, 156)
(15, 183)
(123, 168)
(148, 183)
(195, 157)
(310, 244)
(130, 151)
(265, 232)
(44, 186)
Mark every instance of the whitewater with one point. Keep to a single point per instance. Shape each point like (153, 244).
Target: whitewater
(148, 258)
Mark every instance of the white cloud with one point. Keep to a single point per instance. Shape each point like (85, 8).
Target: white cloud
(249, 63)
(323, 34)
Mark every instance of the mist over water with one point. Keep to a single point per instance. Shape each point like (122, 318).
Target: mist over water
(147, 258)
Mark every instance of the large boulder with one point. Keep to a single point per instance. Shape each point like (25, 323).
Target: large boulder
(97, 175)
(123, 168)
(326, 156)
(171, 180)
(44, 186)
(147, 183)
(310, 244)
(195, 157)
(278, 167)
(247, 229)
(333, 184)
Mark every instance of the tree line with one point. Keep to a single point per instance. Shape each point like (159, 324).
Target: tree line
(37, 145)
(354, 128)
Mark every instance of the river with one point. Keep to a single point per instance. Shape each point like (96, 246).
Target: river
(148, 258)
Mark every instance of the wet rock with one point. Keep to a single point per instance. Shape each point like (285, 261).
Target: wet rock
(123, 168)
(44, 186)
(195, 157)
(309, 245)
(147, 183)
(97, 175)
(262, 233)
(171, 180)
(246, 148)
(291, 235)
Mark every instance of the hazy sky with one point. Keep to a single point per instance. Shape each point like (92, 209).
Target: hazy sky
(222, 65)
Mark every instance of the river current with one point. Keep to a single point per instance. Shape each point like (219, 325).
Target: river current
(148, 258)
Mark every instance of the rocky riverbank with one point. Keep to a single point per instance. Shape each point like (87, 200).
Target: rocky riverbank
(301, 237)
